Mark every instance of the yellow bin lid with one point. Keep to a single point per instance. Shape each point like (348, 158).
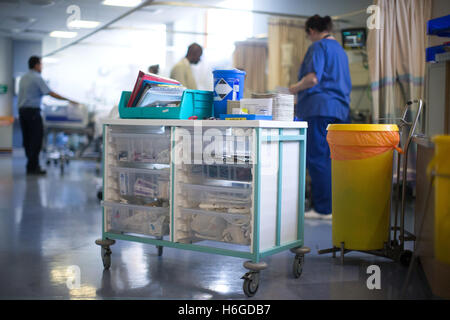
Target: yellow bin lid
(362, 127)
(441, 139)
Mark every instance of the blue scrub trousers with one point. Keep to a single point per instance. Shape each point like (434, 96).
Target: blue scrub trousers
(318, 162)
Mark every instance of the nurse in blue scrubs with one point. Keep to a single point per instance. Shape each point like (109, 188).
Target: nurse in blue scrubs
(323, 98)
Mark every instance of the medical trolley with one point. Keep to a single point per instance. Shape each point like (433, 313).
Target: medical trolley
(227, 187)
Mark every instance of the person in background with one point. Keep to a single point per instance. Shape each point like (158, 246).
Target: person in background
(182, 71)
(323, 98)
(31, 89)
(154, 69)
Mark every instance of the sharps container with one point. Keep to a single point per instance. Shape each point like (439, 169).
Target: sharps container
(228, 85)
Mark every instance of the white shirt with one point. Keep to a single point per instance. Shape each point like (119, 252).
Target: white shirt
(182, 72)
(31, 89)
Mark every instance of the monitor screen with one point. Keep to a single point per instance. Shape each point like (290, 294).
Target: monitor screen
(354, 38)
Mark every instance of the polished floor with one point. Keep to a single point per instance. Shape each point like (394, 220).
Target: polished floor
(49, 224)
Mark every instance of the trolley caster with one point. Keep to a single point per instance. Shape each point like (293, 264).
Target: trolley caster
(298, 265)
(106, 257)
(105, 251)
(160, 250)
(251, 283)
(251, 278)
(405, 258)
(100, 195)
(299, 260)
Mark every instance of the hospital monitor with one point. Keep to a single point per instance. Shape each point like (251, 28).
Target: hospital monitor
(354, 38)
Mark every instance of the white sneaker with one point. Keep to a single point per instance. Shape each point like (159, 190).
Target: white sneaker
(313, 214)
(326, 216)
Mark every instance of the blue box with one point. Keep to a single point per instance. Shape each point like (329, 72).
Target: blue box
(431, 52)
(439, 27)
(193, 103)
(244, 117)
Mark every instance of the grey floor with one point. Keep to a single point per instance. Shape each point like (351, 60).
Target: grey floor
(48, 224)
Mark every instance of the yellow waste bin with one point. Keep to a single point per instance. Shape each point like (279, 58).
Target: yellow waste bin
(362, 157)
(441, 164)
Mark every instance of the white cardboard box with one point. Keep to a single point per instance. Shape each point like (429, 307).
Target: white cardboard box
(257, 106)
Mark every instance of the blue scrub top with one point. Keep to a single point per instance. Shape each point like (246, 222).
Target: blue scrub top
(331, 96)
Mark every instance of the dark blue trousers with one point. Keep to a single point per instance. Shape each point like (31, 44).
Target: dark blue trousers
(33, 133)
(318, 162)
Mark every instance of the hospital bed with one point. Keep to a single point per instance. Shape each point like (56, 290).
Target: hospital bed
(68, 133)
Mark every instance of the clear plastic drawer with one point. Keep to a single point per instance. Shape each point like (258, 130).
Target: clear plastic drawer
(215, 145)
(197, 225)
(122, 218)
(140, 147)
(235, 198)
(148, 187)
(220, 172)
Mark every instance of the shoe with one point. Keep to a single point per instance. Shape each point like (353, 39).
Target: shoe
(326, 216)
(313, 214)
(37, 172)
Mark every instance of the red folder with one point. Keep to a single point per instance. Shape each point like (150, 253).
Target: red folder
(151, 77)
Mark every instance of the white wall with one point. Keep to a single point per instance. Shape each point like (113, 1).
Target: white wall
(309, 8)
(96, 71)
(223, 27)
(6, 78)
(23, 50)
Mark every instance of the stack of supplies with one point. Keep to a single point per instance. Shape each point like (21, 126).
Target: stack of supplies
(151, 90)
(282, 105)
(248, 109)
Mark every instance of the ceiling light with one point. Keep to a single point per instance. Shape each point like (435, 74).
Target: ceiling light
(122, 3)
(42, 3)
(63, 34)
(85, 24)
(23, 19)
(50, 60)
(152, 11)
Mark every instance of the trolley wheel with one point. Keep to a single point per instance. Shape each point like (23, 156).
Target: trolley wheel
(100, 195)
(406, 257)
(251, 283)
(298, 265)
(106, 257)
(160, 250)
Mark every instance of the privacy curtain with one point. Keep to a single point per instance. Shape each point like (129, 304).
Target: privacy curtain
(396, 55)
(251, 56)
(287, 48)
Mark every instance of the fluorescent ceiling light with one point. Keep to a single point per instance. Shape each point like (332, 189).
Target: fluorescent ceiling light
(83, 24)
(63, 34)
(122, 3)
(50, 60)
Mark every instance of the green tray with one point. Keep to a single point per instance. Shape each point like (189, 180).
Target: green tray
(193, 103)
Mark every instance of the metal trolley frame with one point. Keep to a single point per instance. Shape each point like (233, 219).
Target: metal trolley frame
(254, 263)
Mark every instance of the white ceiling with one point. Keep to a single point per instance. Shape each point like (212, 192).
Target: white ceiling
(33, 20)
(22, 19)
